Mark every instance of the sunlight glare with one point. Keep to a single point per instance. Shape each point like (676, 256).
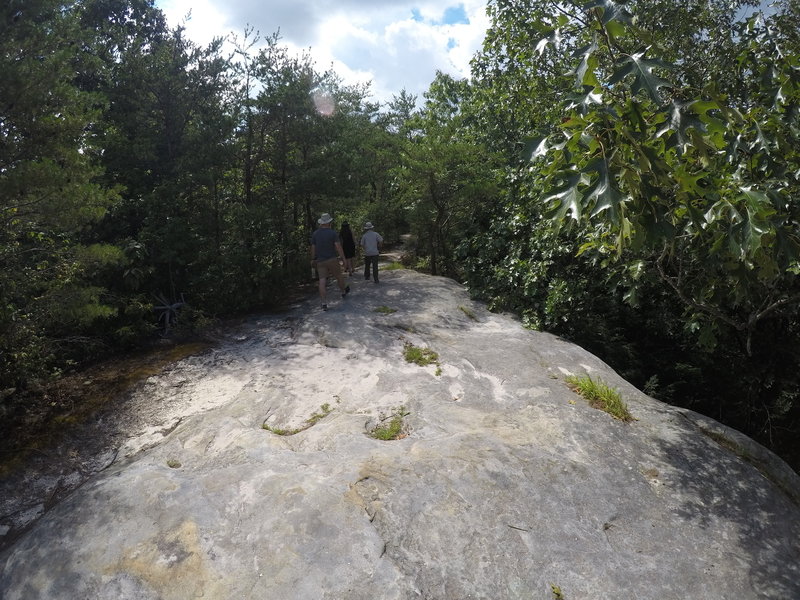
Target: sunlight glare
(324, 103)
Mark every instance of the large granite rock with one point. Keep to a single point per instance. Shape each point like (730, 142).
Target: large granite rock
(507, 484)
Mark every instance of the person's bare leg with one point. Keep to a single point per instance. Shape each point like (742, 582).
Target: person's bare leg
(342, 283)
(336, 271)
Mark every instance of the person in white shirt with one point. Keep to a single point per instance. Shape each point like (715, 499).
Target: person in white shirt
(371, 242)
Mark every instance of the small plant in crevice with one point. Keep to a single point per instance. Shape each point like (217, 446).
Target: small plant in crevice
(324, 411)
(422, 264)
(385, 310)
(651, 386)
(600, 396)
(468, 312)
(421, 356)
(557, 593)
(391, 427)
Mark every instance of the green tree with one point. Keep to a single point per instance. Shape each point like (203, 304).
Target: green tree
(49, 194)
(678, 179)
(703, 187)
(166, 135)
(444, 174)
(298, 147)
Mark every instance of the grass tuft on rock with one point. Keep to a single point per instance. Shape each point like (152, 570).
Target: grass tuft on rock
(420, 356)
(600, 396)
(325, 410)
(394, 429)
(468, 312)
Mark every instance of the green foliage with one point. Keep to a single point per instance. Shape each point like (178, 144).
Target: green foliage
(693, 191)
(49, 196)
(651, 218)
(694, 188)
(601, 396)
(443, 175)
(324, 411)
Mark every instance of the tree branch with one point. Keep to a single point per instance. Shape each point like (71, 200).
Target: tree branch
(756, 317)
(710, 310)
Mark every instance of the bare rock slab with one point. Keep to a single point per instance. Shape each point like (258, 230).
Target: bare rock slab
(503, 484)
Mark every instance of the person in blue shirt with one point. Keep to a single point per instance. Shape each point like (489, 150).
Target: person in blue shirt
(326, 251)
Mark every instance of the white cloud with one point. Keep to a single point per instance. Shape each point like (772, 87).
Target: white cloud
(204, 19)
(395, 44)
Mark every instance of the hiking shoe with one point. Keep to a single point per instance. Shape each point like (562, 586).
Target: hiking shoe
(346, 291)
(324, 307)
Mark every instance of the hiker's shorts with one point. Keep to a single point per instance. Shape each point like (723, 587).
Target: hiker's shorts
(329, 267)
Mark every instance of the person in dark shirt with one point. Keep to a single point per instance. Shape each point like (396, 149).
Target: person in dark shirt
(348, 245)
(325, 254)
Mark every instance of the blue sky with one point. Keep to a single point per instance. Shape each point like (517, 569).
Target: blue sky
(392, 43)
(452, 15)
